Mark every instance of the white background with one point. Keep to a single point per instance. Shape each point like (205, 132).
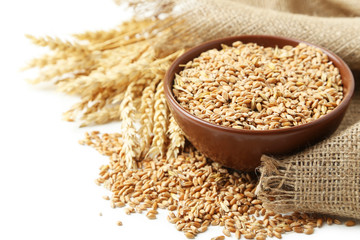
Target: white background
(47, 178)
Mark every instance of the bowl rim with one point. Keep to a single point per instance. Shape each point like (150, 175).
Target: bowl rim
(168, 82)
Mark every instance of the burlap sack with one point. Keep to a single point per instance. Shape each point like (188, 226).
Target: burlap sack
(319, 180)
(324, 178)
(333, 24)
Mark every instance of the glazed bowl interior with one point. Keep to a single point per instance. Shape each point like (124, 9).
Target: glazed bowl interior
(240, 148)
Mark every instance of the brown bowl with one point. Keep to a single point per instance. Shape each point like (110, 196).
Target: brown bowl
(242, 149)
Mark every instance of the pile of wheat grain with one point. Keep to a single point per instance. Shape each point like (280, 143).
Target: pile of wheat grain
(197, 193)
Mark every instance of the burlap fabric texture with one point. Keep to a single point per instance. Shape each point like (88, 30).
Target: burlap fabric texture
(333, 24)
(326, 177)
(318, 180)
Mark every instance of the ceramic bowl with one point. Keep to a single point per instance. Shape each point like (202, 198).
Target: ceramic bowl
(242, 149)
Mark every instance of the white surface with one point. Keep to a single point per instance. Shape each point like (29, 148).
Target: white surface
(47, 178)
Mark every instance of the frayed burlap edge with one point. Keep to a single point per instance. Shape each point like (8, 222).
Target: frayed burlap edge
(317, 180)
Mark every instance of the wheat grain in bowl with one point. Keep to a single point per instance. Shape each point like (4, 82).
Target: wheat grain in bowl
(248, 86)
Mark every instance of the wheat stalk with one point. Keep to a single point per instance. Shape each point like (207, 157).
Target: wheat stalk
(176, 139)
(62, 67)
(70, 48)
(147, 115)
(130, 148)
(160, 123)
